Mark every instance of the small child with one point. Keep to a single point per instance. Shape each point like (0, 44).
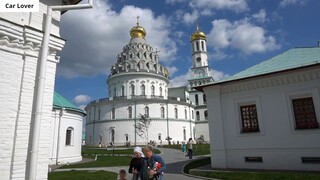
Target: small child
(122, 174)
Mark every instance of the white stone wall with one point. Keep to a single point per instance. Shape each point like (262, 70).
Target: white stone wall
(20, 41)
(278, 143)
(58, 148)
(124, 125)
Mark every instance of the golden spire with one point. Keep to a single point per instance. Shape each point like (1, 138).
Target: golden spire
(138, 31)
(197, 34)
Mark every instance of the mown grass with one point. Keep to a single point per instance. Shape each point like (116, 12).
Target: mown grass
(198, 149)
(102, 161)
(83, 175)
(90, 151)
(258, 175)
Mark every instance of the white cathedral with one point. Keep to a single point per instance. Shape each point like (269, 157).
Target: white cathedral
(138, 86)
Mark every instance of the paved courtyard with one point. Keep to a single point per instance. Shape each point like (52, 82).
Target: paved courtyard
(174, 159)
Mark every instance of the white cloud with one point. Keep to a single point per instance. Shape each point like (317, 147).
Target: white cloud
(235, 5)
(241, 35)
(260, 16)
(182, 80)
(172, 70)
(81, 99)
(95, 37)
(285, 3)
(190, 18)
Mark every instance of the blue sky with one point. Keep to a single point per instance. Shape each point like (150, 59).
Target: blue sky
(240, 33)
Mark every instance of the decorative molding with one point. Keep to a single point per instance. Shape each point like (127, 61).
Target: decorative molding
(301, 75)
(26, 40)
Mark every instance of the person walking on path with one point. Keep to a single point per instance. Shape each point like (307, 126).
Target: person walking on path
(136, 163)
(153, 166)
(184, 148)
(190, 148)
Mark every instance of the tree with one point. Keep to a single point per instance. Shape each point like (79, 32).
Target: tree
(142, 127)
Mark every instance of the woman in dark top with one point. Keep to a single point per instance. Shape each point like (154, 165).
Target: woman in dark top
(136, 163)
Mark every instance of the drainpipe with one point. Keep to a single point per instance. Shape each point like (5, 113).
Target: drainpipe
(58, 140)
(135, 123)
(168, 123)
(40, 82)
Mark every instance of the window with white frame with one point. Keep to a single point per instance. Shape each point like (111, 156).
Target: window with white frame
(198, 115)
(113, 113)
(122, 90)
(146, 112)
(196, 99)
(249, 118)
(160, 91)
(129, 112)
(176, 113)
(132, 90)
(143, 90)
(206, 115)
(304, 113)
(69, 136)
(162, 112)
(152, 90)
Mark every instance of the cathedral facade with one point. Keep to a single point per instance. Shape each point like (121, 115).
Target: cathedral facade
(138, 88)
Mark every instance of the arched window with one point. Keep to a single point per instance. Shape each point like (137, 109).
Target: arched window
(196, 99)
(184, 135)
(130, 112)
(198, 115)
(197, 45)
(204, 99)
(69, 136)
(162, 112)
(185, 114)
(202, 45)
(152, 90)
(122, 90)
(143, 90)
(114, 91)
(206, 115)
(113, 113)
(132, 89)
(146, 112)
(160, 91)
(127, 137)
(176, 113)
(159, 136)
(99, 114)
(112, 135)
(192, 113)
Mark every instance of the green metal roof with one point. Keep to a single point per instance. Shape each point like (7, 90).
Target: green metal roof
(61, 102)
(291, 59)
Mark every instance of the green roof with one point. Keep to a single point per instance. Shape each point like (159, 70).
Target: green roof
(61, 102)
(291, 59)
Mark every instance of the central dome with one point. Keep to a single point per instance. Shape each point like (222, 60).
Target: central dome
(138, 32)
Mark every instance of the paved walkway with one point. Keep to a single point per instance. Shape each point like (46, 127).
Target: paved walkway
(174, 159)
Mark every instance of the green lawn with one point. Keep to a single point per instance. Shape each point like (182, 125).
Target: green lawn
(103, 161)
(87, 150)
(83, 175)
(259, 175)
(198, 149)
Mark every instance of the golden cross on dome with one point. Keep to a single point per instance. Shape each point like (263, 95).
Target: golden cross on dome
(137, 20)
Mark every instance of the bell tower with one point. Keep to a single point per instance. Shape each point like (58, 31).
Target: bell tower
(200, 69)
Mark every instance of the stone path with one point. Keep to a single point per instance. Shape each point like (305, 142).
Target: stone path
(174, 159)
